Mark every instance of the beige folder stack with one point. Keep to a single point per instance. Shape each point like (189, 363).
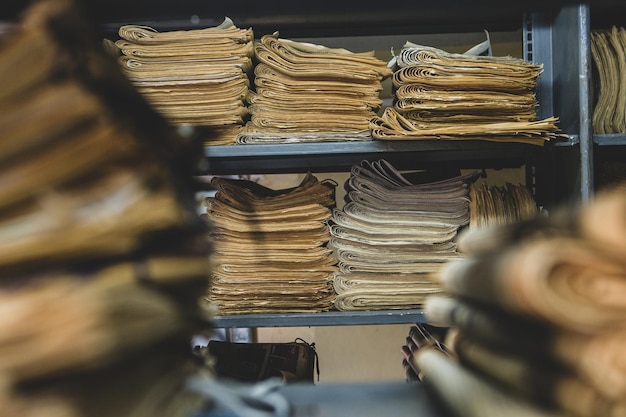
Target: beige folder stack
(537, 312)
(493, 204)
(102, 258)
(392, 235)
(198, 77)
(441, 95)
(310, 93)
(608, 49)
(270, 247)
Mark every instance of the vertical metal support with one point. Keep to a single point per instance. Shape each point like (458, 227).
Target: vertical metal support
(586, 128)
(241, 335)
(537, 48)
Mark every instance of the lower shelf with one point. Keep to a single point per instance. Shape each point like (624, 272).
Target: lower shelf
(396, 399)
(327, 318)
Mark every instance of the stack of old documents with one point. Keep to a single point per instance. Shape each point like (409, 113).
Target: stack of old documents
(310, 93)
(491, 205)
(103, 259)
(538, 316)
(609, 56)
(440, 95)
(393, 234)
(270, 247)
(198, 77)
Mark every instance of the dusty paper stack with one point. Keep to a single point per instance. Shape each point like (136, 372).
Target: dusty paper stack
(310, 93)
(441, 95)
(394, 232)
(537, 312)
(198, 77)
(608, 49)
(102, 259)
(270, 247)
(493, 204)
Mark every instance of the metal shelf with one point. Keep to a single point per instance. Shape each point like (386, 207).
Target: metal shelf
(362, 399)
(340, 156)
(610, 140)
(328, 318)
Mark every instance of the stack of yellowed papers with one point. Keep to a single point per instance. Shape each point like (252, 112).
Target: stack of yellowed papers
(198, 77)
(537, 311)
(270, 247)
(310, 93)
(392, 235)
(440, 95)
(608, 49)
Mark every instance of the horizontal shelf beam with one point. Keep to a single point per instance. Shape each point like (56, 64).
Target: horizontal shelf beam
(327, 318)
(610, 140)
(340, 156)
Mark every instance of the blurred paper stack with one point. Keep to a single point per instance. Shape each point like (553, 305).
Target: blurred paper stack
(608, 49)
(492, 205)
(197, 77)
(537, 312)
(393, 234)
(310, 93)
(102, 258)
(270, 247)
(440, 95)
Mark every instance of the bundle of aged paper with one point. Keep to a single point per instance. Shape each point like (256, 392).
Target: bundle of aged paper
(537, 310)
(441, 95)
(103, 259)
(393, 234)
(490, 205)
(270, 249)
(198, 77)
(311, 93)
(608, 50)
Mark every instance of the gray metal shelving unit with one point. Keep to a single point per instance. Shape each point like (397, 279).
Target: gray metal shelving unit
(557, 37)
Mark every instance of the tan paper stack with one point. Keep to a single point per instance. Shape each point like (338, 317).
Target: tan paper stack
(537, 313)
(440, 95)
(198, 77)
(608, 50)
(102, 259)
(310, 93)
(392, 235)
(492, 205)
(270, 247)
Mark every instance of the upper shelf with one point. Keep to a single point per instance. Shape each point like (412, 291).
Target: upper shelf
(340, 156)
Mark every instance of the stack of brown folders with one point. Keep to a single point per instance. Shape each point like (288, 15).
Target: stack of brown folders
(197, 77)
(609, 56)
(491, 205)
(102, 258)
(311, 93)
(393, 234)
(538, 316)
(270, 247)
(440, 95)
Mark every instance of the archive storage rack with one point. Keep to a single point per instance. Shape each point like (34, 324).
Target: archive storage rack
(556, 35)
